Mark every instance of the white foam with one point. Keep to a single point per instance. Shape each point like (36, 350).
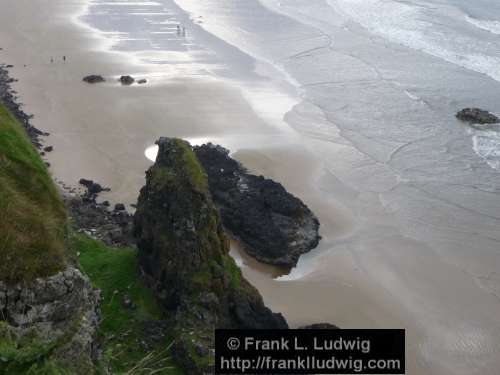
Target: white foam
(486, 144)
(432, 30)
(491, 26)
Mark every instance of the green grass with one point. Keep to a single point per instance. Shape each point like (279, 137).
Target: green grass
(188, 169)
(32, 215)
(115, 272)
(28, 355)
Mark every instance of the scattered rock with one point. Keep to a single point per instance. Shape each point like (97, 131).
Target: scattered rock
(106, 204)
(477, 116)
(142, 81)
(93, 78)
(127, 80)
(10, 100)
(93, 188)
(119, 207)
(274, 226)
(48, 149)
(112, 227)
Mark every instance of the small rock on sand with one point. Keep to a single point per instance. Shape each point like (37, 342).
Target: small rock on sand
(93, 78)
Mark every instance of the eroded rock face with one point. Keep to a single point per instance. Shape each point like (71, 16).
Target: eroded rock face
(477, 116)
(274, 226)
(183, 253)
(60, 309)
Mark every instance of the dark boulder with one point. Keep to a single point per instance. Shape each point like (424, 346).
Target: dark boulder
(92, 187)
(477, 116)
(127, 80)
(93, 78)
(142, 81)
(274, 226)
(184, 255)
(119, 207)
(48, 149)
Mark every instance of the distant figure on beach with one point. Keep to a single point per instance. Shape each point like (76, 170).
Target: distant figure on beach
(64, 58)
(178, 30)
(51, 59)
(183, 31)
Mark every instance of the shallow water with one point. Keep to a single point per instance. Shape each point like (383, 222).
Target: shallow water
(371, 88)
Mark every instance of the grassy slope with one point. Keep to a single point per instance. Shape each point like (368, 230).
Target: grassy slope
(115, 272)
(32, 215)
(33, 233)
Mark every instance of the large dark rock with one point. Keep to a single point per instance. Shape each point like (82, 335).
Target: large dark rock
(477, 116)
(184, 256)
(127, 80)
(93, 78)
(274, 226)
(92, 187)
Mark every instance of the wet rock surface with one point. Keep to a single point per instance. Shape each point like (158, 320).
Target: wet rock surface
(477, 116)
(274, 226)
(184, 255)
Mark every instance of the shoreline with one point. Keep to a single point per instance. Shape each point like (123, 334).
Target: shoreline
(94, 126)
(101, 132)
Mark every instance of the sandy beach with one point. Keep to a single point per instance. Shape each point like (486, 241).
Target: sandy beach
(366, 273)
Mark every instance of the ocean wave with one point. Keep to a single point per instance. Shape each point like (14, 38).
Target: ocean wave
(429, 27)
(491, 26)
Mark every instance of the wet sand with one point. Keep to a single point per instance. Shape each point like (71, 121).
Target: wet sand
(101, 132)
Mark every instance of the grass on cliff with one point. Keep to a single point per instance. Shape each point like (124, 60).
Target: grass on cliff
(116, 273)
(188, 169)
(32, 215)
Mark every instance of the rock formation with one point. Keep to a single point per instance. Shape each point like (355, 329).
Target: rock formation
(183, 253)
(56, 315)
(127, 80)
(93, 78)
(274, 226)
(477, 116)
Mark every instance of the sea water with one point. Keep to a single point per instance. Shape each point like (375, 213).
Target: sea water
(371, 87)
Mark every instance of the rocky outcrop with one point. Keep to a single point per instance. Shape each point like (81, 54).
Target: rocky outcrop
(274, 226)
(477, 116)
(60, 312)
(10, 99)
(183, 254)
(93, 78)
(127, 80)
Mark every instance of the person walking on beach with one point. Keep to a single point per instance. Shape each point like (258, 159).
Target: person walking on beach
(183, 31)
(51, 59)
(64, 58)
(178, 30)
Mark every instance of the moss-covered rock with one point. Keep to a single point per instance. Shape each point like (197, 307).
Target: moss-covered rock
(184, 254)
